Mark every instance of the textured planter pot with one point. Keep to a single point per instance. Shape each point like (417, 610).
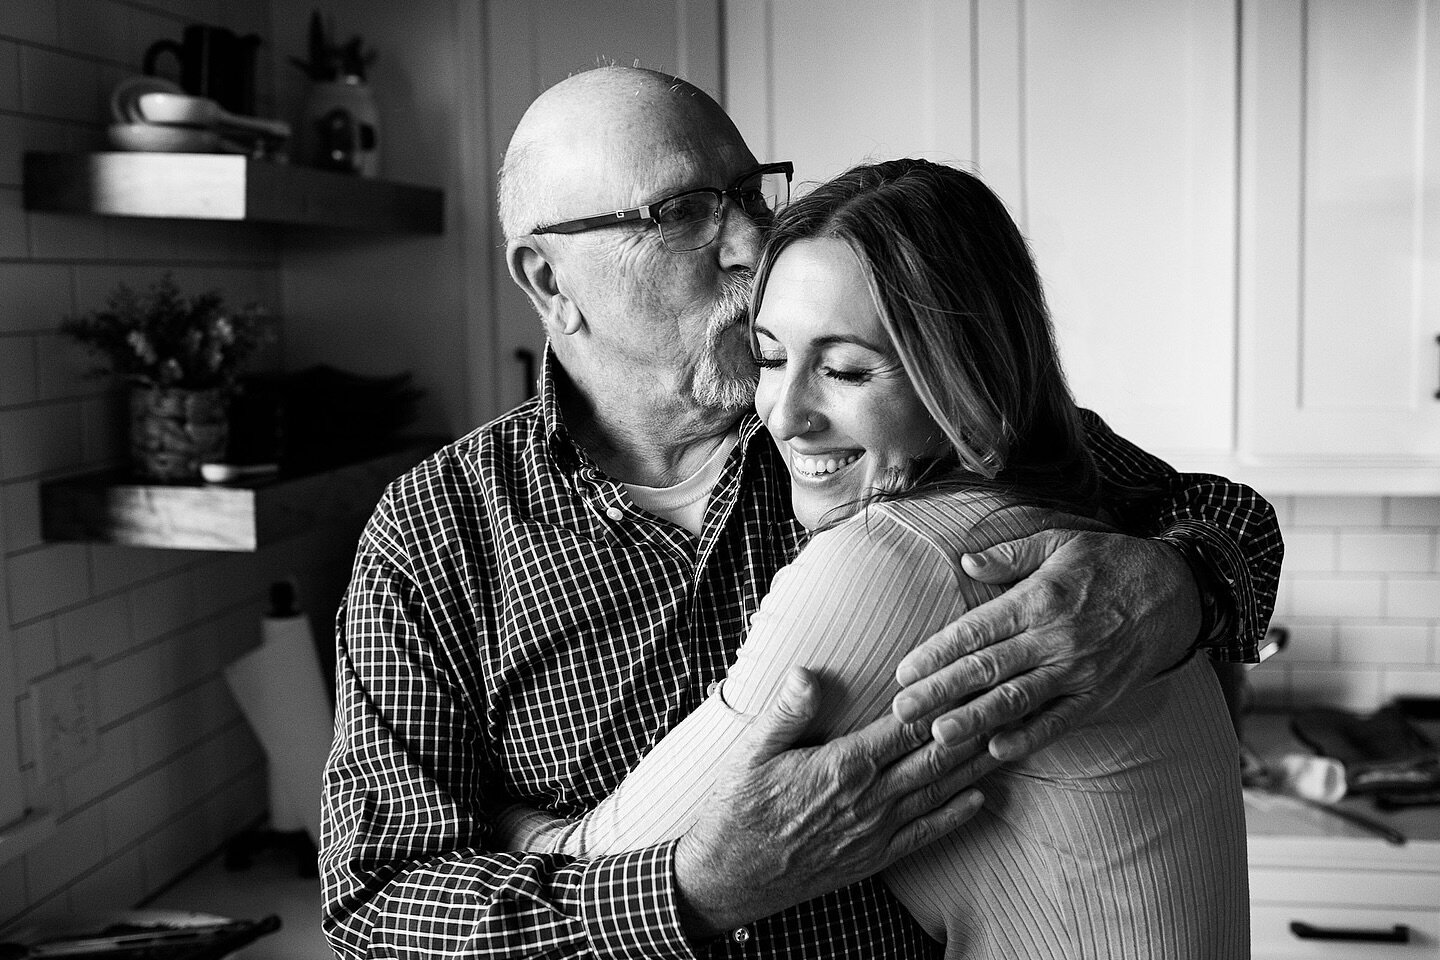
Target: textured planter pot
(173, 431)
(342, 127)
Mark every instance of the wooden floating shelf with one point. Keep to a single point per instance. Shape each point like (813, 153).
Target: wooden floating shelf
(218, 186)
(237, 517)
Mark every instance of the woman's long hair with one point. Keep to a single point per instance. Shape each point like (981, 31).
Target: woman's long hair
(957, 292)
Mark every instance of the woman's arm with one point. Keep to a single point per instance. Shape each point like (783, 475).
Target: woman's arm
(848, 608)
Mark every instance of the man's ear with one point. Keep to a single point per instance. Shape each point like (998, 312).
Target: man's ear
(534, 272)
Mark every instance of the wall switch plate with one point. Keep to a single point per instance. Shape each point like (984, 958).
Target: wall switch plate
(66, 728)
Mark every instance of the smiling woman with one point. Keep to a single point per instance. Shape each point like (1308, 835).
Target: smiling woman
(911, 385)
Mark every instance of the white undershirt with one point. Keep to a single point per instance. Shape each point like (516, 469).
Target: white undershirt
(684, 503)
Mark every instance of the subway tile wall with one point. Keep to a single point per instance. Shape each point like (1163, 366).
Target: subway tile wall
(1360, 596)
(179, 770)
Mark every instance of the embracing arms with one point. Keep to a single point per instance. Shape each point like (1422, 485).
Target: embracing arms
(1096, 613)
(411, 867)
(845, 612)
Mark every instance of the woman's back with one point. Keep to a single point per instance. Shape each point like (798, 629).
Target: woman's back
(1125, 839)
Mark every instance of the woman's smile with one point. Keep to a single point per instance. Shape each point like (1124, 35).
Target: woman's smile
(818, 466)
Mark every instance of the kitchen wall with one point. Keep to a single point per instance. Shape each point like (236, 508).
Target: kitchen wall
(1360, 595)
(179, 770)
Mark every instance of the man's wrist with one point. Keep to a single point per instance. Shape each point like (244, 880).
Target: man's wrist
(628, 905)
(1217, 616)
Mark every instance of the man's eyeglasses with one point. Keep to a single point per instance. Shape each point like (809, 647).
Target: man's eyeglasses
(691, 220)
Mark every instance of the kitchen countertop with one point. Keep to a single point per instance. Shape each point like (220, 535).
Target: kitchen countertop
(1286, 831)
(271, 884)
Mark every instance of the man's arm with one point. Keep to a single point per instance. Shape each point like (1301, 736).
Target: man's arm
(1098, 613)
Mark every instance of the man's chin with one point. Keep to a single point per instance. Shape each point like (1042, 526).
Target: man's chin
(728, 386)
(729, 395)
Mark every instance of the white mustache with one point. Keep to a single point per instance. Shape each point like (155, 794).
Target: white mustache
(733, 305)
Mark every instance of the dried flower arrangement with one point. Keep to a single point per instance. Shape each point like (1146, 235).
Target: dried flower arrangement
(163, 338)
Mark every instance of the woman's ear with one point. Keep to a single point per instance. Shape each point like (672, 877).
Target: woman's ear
(533, 271)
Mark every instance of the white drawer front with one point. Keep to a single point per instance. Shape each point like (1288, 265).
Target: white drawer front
(1273, 939)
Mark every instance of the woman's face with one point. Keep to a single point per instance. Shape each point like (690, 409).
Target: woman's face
(832, 391)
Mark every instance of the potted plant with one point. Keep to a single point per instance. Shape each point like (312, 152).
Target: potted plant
(181, 356)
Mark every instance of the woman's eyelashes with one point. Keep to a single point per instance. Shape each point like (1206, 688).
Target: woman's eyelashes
(846, 376)
(843, 375)
(768, 362)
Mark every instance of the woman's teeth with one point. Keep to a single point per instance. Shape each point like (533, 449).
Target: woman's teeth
(819, 466)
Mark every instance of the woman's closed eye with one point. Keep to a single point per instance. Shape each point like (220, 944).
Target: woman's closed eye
(772, 361)
(846, 376)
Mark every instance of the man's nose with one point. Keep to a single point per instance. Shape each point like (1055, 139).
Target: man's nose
(740, 238)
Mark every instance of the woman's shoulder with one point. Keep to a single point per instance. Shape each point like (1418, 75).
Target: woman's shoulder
(950, 522)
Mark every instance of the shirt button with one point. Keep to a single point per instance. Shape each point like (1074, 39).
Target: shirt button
(615, 513)
(710, 690)
(741, 935)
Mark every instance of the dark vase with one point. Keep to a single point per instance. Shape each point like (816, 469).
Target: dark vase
(173, 430)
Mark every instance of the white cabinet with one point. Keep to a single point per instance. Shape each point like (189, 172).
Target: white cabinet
(1238, 222)
(1107, 128)
(1339, 244)
(1235, 207)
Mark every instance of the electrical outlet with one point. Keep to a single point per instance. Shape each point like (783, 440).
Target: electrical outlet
(66, 731)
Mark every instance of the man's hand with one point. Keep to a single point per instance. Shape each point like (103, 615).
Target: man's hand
(787, 823)
(1095, 615)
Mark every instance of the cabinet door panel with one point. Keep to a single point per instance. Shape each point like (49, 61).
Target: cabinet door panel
(1109, 130)
(832, 83)
(1339, 246)
(1129, 177)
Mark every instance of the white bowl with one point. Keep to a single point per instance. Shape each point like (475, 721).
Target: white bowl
(161, 139)
(125, 97)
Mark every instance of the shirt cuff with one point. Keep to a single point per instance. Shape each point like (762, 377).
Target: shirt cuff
(1231, 631)
(629, 906)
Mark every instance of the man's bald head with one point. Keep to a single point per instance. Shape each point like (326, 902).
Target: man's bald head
(587, 135)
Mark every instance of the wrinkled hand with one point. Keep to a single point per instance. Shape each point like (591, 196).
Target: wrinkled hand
(1095, 615)
(787, 823)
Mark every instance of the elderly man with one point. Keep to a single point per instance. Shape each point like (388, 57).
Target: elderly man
(534, 606)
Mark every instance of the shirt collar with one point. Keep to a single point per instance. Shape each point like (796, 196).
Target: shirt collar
(550, 399)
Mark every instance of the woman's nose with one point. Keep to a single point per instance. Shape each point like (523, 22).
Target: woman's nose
(792, 414)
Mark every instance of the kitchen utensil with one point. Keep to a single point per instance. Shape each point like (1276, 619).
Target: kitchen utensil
(146, 935)
(1314, 778)
(1255, 775)
(214, 62)
(180, 109)
(1388, 834)
(154, 138)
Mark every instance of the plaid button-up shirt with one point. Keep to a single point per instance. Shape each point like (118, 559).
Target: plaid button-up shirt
(516, 629)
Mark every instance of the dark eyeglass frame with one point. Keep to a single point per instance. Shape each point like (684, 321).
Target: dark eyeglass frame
(647, 212)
